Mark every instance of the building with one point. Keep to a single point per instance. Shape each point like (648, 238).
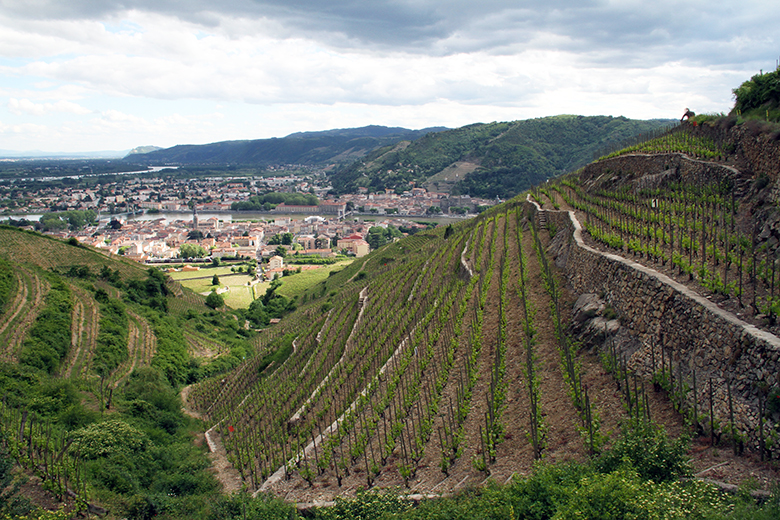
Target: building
(275, 262)
(324, 208)
(355, 244)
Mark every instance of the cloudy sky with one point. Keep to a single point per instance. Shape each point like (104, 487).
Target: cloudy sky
(84, 75)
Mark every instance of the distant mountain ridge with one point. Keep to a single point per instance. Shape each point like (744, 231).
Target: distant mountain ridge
(482, 159)
(143, 149)
(310, 148)
(493, 159)
(38, 154)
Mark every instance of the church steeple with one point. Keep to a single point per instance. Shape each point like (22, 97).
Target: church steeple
(194, 216)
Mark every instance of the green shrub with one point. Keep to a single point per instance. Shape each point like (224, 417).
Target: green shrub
(108, 438)
(366, 506)
(111, 348)
(49, 338)
(647, 449)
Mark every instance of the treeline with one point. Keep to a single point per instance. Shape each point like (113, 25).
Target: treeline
(269, 201)
(63, 171)
(379, 236)
(759, 96)
(269, 306)
(73, 219)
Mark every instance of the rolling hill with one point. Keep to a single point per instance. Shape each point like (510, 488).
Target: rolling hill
(490, 160)
(307, 148)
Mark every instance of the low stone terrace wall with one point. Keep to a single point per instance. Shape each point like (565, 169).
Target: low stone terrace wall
(701, 338)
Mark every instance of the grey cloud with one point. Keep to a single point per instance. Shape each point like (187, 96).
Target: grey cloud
(649, 32)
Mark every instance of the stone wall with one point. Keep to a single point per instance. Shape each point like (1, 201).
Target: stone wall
(651, 171)
(701, 338)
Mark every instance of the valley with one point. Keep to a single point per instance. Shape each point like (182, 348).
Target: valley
(614, 325)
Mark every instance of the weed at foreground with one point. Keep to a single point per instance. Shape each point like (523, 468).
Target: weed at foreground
(622, 484)
(646, 448)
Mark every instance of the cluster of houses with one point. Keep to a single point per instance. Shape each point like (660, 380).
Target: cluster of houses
(220, 193)
(161, 239)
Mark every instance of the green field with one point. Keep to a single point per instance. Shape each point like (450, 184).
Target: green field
(296, 284)
(240, 294)
(203, 272)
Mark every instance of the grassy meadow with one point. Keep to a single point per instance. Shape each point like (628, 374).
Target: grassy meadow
(240, 294)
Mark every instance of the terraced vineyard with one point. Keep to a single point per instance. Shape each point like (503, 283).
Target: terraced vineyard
(697, 229)
(141, 346)
(447, 363)
(23, 309)
(84, 331)
(77, 328)
(21, 247)
(434, 364)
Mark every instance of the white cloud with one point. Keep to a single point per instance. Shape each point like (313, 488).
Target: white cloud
(25, 106)
(170, 71)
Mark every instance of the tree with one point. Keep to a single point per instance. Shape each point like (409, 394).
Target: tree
(192, 251)
(195, 234)
(376, 237)
(287, 239)
(256, 314)
(214, 300)
(115, 224)
(215, 280)
(281, 251)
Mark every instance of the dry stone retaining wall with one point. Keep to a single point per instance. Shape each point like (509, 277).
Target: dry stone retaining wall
(701, 337)
(652, 169)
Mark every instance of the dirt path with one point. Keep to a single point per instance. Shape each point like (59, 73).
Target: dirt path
(225, 473)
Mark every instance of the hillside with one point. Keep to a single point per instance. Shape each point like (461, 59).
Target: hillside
(92, 352)
(503, 159)
(307, 148)
(459, 353)
(457, 356)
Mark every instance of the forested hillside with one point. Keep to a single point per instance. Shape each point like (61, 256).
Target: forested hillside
(505, 158)
(308, 148)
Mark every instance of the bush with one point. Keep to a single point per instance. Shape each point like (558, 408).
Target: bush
(111, 349)
(366, 506)
(647, 449)
(214, 300)
(107, 438)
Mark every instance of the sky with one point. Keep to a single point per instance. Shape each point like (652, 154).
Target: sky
(89, 75)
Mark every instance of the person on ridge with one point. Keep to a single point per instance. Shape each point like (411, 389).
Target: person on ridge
(688, 113)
